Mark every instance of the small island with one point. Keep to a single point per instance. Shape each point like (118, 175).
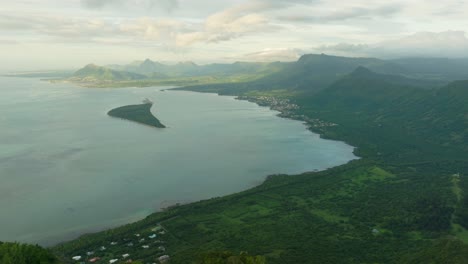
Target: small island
(137, 113)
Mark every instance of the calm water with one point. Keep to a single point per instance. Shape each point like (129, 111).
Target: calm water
(67, 168)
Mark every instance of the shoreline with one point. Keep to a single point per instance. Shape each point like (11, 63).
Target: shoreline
(284, 107)
(266, 178)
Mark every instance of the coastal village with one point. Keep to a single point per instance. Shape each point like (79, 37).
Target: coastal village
(287, 109)
(129, 249)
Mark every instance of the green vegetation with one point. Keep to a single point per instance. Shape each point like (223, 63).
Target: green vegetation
(15, 253)
(93, 73)
(311, 73)
(149, 73)
(138, 113)
(405, 201)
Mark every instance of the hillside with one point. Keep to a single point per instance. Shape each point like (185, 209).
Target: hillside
(15, 253)
(312, 73)
(430, 122)
(93, 73)
(150, 73)
(190, 69)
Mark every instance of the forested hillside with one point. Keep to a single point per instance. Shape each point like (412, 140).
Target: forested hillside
(15, 253)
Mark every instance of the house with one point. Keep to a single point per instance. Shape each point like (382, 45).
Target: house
(96, 259)
(102, 248)
(164, 259)
(145, 246)
(125, 255)
(113, 261)
(113, 243)
(76, 258)
(89, 253)
(152, 236)
(158, 228)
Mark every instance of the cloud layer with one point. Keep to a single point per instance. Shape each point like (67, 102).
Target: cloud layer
(168, 5)
(231, 29)
(451, 44)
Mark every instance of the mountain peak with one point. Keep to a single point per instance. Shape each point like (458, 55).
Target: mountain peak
(187, 63)
(91, 66)
(362, 71)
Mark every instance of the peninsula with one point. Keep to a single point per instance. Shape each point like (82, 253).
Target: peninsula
(140, 113)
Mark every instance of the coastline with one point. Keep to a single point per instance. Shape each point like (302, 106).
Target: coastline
(266, 178)
(286, 110)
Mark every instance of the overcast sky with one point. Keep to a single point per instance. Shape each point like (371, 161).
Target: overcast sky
(47, 34)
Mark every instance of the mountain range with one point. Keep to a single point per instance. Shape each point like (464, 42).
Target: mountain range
(310, 72)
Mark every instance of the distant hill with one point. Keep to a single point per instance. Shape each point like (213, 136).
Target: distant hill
(312, 73)
(186, 69)
(149, 73)
(401, 114)
(437, 69)
(366, 89)
(93, 72)
(315, 72)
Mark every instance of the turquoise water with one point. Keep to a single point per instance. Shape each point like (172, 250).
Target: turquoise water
(66, 168)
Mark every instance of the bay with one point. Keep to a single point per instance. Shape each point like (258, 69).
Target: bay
(66, 168)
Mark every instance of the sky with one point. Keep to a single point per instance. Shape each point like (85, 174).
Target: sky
(58, 34)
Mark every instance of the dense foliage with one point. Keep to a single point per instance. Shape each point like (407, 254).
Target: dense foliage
(138, 113)
(15, 253)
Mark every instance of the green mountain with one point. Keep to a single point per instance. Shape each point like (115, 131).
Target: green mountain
(315, 72)
(149, 73)
(312, 73)
(432, 122)
(190, 69)
(93, 72)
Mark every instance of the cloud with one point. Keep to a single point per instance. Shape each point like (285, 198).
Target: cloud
(441, 44)
(451, 44)
(8, 42)
(167, 5)
(232, 23)
(270, 55)
(226, 25)
(58, 27)
(355, 12)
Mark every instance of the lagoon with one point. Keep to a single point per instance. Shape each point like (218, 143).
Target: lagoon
(67, 168)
